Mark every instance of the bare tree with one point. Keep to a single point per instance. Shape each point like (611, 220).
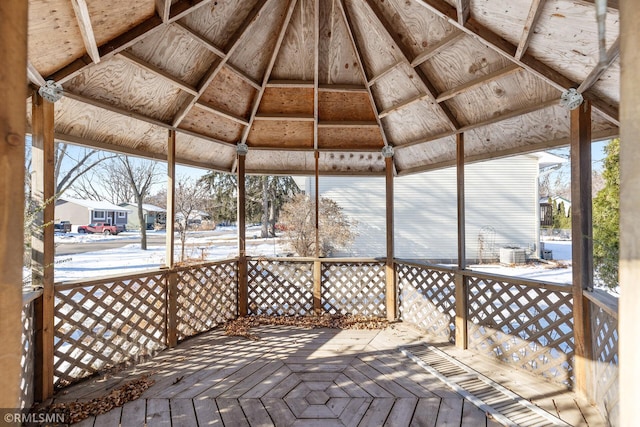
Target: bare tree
(190, 197)
(71, 164)
(298, 217)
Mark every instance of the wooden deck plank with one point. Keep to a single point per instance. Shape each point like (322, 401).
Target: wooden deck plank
(133, 413)
(87, 422)
(450, 412)
(231, 413)
(396, 370)
(350, 387)
(402, 412)
(268, 384)
(354, 411)
(206, 411)
(366, 383)
(182, 413)
(381, 379)
(472, 416)
(279, 411)
(109, 419)
(158, 413)
(426, 412)
(283, 387)
(256, 413)
(252, 379)
(378, 412)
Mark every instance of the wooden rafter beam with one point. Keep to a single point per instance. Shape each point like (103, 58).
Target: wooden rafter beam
(463, 8)
(492, 120)
(232, 45)
(612, 54)
(508, 50)
(182, 8)
(341, 124)
(34, 75)
(436, 47)
(529, 26)
(86, 29)
(482, 80)
(404, 104)
(354, 45)
(163, 9)
(316, 77)
(158, 72)
(216, 50)
(284, 117)
(226, 114)
(383, 73)
(267, 73)
(452, 122)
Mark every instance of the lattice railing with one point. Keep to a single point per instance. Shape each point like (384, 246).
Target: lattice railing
(207, 296)
(280, 288)
(526, 325)
(604, 339)
(426, 298)
(101, 324)
(28, 354)
(356, 288)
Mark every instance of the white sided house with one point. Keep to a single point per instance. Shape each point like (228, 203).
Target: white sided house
(501, 202)
(83, 212)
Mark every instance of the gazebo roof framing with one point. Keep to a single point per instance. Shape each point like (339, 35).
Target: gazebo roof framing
(342, 77)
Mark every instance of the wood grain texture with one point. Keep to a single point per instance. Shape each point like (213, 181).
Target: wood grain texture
(398, 85)
(211, 124)
(509, 93)
(408, 124)
(231, 93)
(54, 36)
(338, 63)
(140, 91)
(287, 101)
(506, 18)
(351, 162)
(608, 87)
(376, 47)
(218, 21)
(568, 37)
(337, 106)
(437, 151)
(281, 162)
(295, 59)
(462, 62)
(107, 23)
(351, 138)
(179, 55)
(255, 48)
(282, 134)
(204, 152)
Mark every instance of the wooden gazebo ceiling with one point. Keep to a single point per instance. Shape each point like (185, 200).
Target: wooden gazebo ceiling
(341, 77)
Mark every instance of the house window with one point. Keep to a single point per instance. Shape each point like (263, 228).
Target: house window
(99, 215)
(122, 214)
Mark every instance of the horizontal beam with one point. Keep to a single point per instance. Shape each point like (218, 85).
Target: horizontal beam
(343, 88)
(389, 69)
(200, 39)
(348, 124)
(285, 117)
(437, 47)
(404, 104)
(158, 72)
(294, 84)
(496, 75)
(226, 114)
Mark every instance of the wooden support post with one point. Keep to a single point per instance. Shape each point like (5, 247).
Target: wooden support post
(628, 312)
(243, 286)
(42, 247)
(390, 264)
(171, 199)
(317, 204)
(172, 309)
(581, 236)
(317, 287)
(13, 86)
(460, 278)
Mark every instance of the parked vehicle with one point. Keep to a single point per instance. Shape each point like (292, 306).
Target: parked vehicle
(62, 226)
(100, 227)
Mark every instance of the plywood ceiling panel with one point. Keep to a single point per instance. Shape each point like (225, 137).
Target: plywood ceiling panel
(230, 93)
(296, 60)
(212, 125)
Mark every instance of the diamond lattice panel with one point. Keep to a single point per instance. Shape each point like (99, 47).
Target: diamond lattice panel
(27, 362)
(356, 288)
(427, 299)
(280, 288)
(207, 297)
(529, 327)
(604, 336)
(105, 324)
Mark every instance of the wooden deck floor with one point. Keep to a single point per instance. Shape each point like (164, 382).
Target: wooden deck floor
(320, 377)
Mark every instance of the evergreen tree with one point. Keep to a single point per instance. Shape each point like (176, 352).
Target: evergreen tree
(606, 219)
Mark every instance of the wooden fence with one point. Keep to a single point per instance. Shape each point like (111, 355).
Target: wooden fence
(28, 349)
(527, 324)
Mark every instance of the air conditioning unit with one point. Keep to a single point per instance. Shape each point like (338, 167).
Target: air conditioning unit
(512, 255)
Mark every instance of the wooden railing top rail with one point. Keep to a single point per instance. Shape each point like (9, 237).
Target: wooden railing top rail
(520, 281)
(418, 263)
(63, 286)
(604, 300)
(313, 259)
(29, 296)
(204, 264)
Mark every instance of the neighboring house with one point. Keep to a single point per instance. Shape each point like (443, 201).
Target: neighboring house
(153, 215)
(501, 204)
(196, 217)
(83, 212)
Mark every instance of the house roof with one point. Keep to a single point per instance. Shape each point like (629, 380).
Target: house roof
(341, 78)
(96, 205)
(145, 206)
